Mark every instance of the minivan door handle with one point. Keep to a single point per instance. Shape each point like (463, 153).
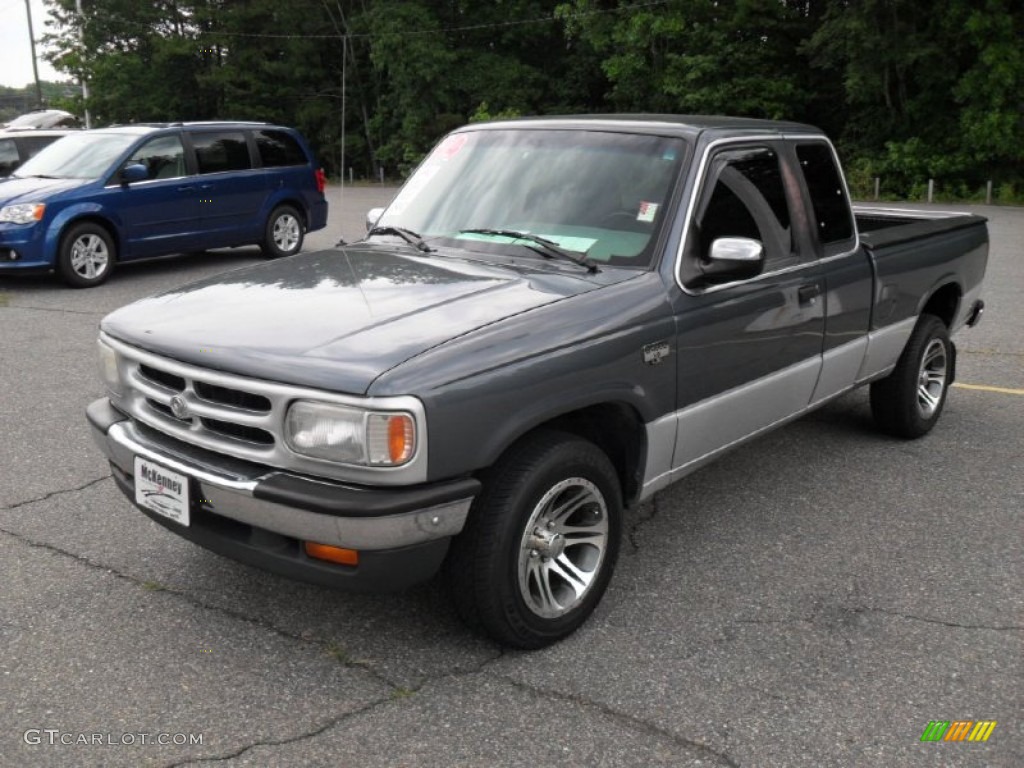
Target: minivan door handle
(189, 188)
(808, 294)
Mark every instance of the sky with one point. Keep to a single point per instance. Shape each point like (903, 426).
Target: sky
(15, 52)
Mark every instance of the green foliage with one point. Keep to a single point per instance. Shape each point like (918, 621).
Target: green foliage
(910, 89)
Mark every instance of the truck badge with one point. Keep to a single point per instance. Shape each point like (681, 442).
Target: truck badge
(655, 353)
(179, 407)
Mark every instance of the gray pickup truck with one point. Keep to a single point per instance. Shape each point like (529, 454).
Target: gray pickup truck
(554, 319)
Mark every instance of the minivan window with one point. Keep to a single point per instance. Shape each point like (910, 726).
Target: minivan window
(8, 156)
(219, 151)
(278, 148)
(164, 157)
(86, 155)
(30, 145)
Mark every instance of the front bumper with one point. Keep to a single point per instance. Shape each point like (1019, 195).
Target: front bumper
(27, 244)
(262, 516)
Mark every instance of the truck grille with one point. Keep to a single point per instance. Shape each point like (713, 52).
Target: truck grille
(205, 408)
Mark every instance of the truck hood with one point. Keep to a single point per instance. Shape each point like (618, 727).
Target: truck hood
(15, 190)
(339, 318)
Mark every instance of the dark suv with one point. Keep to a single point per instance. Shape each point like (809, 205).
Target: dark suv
(98, 197)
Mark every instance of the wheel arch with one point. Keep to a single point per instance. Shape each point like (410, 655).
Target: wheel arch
(60, 228)
(291, 202)
(944, 302)
(616, 428)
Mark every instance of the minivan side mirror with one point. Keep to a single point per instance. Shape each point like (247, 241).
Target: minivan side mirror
(133, 173)
(733, 258)
(372, 217)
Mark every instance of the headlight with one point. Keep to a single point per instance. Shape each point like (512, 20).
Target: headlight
(24, 213)
(109, 370)
(350, 435)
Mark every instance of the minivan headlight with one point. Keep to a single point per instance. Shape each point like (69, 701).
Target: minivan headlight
(23, 213)
(350, 435)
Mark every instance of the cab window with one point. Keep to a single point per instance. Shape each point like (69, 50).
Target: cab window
(747, 199)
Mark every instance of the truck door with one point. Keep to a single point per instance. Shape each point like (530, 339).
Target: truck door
(749, 348)
(848, 275)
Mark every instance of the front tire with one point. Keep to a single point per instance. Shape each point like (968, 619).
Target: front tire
(284, 233)
(540, 544)
(87, 255)
(908, 402)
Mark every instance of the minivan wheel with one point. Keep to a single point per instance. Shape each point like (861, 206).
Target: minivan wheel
(284, 233)
(908, 402)
(86, 256)
(540, 543)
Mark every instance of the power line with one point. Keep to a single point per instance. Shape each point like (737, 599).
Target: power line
(406, 33)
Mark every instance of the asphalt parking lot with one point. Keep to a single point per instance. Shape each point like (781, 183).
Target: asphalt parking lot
(815, 598)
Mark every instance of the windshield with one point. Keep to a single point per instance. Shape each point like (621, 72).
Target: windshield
(600, 194)
(78, 156)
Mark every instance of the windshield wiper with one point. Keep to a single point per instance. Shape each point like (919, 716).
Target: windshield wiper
(548, 248)
(406, 234)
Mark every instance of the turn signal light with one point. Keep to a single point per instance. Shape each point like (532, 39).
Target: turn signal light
(400, 438)
(332, 554)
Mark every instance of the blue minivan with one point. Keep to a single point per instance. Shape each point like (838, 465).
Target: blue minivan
(94, 198)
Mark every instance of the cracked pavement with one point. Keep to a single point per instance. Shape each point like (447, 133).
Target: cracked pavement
(813, 599)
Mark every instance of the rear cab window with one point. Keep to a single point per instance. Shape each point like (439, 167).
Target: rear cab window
(833, 218)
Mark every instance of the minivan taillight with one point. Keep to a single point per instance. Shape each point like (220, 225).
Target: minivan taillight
(321, 180)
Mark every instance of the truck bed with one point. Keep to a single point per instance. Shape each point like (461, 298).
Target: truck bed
(880, 227)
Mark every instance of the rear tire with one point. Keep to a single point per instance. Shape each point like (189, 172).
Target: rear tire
(87, 255)
(908, 402)
(540, 543)
(284, 233)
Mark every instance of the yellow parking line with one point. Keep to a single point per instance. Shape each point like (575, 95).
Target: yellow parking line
(984, 388)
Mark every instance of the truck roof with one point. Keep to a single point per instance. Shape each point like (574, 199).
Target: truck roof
(688, 125)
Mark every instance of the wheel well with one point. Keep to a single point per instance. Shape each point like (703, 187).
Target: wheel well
(106, 225)
(299, 208)
(618, 430)
(944, 303)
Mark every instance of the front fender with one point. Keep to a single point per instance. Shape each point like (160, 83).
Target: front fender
(71, 214)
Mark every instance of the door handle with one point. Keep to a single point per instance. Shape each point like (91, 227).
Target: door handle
(186, 189)
(808, 295)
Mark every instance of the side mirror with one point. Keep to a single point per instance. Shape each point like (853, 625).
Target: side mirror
(733, 258)
(372, 217)
(133, 173)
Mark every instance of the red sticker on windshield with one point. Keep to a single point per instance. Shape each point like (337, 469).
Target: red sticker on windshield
(451, 146)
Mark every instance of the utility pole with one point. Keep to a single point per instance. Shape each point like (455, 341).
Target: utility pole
(85, 86)
(35, 68)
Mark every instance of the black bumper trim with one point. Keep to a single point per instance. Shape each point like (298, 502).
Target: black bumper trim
(354, 501)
